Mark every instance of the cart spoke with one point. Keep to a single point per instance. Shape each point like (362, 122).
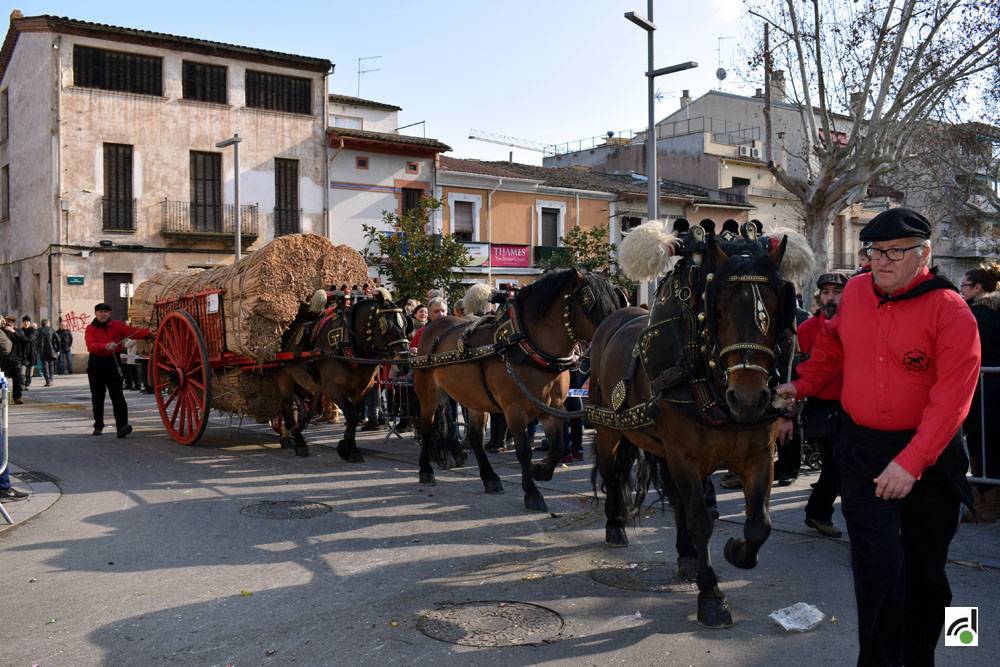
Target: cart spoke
(173, 415)
(171, 397)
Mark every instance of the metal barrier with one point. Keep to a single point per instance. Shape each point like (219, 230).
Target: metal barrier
(983, 478)
(3, 438)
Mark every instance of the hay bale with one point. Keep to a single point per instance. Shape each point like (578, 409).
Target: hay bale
(263, 293)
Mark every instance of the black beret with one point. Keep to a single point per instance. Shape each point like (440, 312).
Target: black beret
(832, 278)
(101, 306)
(896, 223)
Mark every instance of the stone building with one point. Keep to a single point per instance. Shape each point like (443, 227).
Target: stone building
(373, 168)
(109, 169)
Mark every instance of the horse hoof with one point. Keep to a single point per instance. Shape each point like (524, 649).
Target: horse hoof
(713, 513)
(687, 568)
(301, 450)
(738, 554)
(614, 536)
(460, 457)
(535, 503)
(287, 444)
(541, 472)
(493, 486)
(713, 612)
(427, 478)
(344, 450)
(356, 457)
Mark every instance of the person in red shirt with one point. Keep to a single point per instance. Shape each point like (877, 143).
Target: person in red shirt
(104, 337)
(909, 351)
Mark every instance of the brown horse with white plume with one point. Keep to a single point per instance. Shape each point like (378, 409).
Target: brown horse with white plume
(690, 383)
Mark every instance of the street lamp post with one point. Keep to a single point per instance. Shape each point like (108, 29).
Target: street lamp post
(653, 184)
(235, 143)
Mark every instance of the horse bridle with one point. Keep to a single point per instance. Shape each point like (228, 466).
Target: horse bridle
(584, 295)
(762, 319)
(385, 317)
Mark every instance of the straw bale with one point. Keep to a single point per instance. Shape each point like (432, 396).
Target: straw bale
(263, 293)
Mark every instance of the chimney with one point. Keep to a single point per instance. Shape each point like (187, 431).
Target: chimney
(759, 92)
(778, 85)
(16, 14)
(685, 98)
(858, 105)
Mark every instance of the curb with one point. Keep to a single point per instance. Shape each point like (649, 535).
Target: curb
(43, 496)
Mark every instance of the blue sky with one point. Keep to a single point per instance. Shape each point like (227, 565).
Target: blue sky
(549, 70)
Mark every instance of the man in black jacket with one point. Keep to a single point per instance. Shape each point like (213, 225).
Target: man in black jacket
(47, 345)
(12, 367)
(30, 355)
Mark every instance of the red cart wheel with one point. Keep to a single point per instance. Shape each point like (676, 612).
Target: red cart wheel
(182, 377)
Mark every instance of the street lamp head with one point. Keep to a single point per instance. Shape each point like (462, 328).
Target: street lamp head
(643, 23)
(235, 139)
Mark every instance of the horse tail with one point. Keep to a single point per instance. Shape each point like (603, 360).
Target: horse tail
(631, 475)
(441, 445)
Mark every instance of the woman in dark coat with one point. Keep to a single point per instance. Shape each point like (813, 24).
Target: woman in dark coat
(979, 289)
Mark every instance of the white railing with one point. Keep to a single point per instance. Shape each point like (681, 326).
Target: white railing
(3, 438)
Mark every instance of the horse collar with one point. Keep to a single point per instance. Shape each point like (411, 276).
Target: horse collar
(510, 334)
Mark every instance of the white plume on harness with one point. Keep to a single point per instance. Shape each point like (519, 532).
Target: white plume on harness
(647, 251)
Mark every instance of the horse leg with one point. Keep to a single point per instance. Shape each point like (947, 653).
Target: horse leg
(713, 609)
(474, 433)
(427, 400)
(554, 432)
(347, 448)
(756, 478)
(286, 387)
(614, 458)
(687, 553)
(517, 422)
(446, 432)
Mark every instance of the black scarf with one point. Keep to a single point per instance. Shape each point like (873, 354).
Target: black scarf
(935, 282)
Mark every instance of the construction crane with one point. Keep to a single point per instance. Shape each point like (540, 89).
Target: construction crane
(515, 142)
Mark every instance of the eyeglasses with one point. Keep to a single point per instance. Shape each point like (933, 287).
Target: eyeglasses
(894, 254)
(967, 285)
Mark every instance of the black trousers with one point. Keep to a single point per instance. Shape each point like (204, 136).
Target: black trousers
(898, 549)
(821, 419)
(789, 456)
(13, 372)
(104, 376)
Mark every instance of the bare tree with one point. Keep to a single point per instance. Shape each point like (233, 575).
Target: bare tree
(865, 76)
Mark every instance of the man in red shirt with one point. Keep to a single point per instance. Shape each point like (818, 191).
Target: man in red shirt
(909, 351)
(104, 337)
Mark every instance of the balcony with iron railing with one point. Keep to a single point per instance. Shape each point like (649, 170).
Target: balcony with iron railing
(207, 221)
(118, 215)
(287, 221)
(978, 247)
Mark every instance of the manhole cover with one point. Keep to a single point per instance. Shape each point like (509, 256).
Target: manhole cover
(285, 509)
(650, 577)
(491, 624)
(33, 476)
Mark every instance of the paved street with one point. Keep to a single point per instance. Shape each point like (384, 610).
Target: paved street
(160, 554)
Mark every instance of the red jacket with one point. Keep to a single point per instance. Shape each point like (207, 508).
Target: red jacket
(114, 331)
(910, 364)
(807, 333)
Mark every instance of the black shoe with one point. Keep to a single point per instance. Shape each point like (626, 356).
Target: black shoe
(784, 481)
(825, 528)
(18, 401)
(10, 495)
(372, 426)
(98, 430)
(124, 430)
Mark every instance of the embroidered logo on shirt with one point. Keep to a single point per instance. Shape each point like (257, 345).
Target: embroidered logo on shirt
(916, 360)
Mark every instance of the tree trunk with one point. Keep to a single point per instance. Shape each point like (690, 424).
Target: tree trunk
(818, 222)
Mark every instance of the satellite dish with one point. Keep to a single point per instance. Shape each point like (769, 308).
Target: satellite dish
(720, 73)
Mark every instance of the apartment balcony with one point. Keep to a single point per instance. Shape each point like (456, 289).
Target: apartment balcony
(287, 221)
(193, 220)
(118, 215)
(978, 247)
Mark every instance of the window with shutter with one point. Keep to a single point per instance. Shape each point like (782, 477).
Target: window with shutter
(119, 209)
(550, 227)
(114, 70)
(278, 92)
(206, 192)
(463, 229)
(286, 197)
(204, 83)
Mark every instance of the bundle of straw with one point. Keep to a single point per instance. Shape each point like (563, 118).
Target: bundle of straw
(263, 293)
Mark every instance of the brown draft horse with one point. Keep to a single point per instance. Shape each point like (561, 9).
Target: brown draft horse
(743, 292)
(549, 317)
(372, 328)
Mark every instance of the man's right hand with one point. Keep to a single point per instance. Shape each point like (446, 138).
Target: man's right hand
(110, 347)
(786, 390)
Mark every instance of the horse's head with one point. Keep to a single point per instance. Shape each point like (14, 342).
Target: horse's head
(589, 302)
(747, 306)
(386, 327)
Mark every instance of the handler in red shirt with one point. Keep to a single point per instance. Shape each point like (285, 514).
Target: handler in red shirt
(909, 350)
(104, 337)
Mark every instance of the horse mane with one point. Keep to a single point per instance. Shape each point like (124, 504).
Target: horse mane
(536, 299)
